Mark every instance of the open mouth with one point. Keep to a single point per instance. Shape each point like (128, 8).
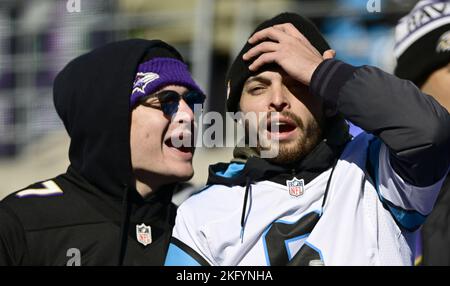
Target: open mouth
(281, 128)
(178, 141)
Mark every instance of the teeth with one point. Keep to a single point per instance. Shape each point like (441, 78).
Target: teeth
(278, 123)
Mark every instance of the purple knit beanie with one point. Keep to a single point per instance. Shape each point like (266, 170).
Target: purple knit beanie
(159, 72)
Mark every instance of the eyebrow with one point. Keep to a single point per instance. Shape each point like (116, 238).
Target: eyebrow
(261, 79)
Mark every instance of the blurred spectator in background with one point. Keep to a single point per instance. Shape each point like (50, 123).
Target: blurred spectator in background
(423, 53)
(37, 38)
(122, 105)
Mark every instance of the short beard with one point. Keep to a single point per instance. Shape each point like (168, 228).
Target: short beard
(310, 138)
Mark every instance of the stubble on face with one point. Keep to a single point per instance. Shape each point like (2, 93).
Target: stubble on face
(293, 151)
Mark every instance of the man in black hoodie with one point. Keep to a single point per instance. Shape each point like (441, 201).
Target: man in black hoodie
(122, 106)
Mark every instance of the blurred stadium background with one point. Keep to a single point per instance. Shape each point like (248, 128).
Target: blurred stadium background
(38, 37)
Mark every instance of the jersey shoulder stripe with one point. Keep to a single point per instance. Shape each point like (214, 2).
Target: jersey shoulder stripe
(44, 189)
(409, 220)
(179, 254)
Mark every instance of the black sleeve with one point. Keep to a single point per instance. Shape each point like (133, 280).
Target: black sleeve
(13, 246)
(413, 125)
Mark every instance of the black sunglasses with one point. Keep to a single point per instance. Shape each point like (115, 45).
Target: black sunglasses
(170, 100)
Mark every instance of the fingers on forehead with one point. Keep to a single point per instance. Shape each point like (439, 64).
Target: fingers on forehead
(267, 33)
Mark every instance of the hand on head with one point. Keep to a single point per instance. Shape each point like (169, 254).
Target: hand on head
(284, 45)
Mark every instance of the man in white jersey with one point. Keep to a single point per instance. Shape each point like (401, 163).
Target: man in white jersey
(326, 199)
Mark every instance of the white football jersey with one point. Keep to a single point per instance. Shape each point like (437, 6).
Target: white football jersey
(365, 220)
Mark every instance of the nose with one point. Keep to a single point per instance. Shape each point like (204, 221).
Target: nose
(278, 100)
(184, 113)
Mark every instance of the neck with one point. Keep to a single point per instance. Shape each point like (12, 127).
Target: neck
(144, 189)
(148, 185)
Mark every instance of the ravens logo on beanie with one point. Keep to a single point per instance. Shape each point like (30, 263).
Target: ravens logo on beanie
(162, 65)
(423, 40)
(239, 71)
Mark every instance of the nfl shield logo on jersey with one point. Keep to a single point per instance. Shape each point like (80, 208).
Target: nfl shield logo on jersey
(144, 234)
(296, 187)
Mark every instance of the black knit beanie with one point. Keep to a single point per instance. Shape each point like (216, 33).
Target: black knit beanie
(239, 71)
(423, 40)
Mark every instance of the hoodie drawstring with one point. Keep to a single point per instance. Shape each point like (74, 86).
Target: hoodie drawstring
(328, 186)
(244, 208)
(124, 226)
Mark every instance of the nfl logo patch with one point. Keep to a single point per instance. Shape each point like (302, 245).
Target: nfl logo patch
(296, 187)
(144, 234)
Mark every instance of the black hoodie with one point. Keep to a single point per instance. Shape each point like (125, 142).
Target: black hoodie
(90, 216)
